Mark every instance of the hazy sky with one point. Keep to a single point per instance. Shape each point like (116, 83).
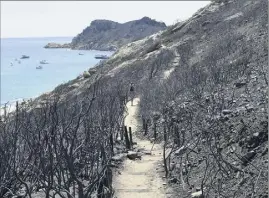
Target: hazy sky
(68, 18)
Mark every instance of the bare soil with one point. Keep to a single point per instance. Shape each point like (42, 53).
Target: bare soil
(140, 178)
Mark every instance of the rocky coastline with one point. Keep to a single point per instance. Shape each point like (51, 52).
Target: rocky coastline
(106, 35)
(57, 45)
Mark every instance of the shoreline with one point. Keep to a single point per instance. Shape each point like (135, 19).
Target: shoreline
(10, 100)
(11, 105)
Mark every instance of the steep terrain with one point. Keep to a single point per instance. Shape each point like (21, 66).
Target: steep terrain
(204, 83)
(110, 35)
(203, 89)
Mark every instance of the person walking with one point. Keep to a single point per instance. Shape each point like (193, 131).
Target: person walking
(132, 93)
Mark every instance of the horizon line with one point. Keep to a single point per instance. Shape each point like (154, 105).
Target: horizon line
(35, 37)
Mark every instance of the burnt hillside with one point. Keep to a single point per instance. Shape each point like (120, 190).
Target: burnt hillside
(203, 88)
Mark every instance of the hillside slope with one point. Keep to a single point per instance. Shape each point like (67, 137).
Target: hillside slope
(110, 35)
(203, 89)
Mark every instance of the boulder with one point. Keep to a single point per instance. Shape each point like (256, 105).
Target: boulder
(133, 155)
(119, 157)
(76, 85)
(92, 71)
(197, 194)
(140, 150)
(86, 74)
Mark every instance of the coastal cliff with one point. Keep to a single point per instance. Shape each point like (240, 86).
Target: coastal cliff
(108, 35)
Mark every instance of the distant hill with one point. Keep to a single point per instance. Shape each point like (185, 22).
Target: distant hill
(110, 35)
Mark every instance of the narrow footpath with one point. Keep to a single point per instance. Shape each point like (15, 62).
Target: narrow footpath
(140, 178)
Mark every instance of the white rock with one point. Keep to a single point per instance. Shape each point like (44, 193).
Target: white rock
(118, 157)
(197, 194)
(180, 151)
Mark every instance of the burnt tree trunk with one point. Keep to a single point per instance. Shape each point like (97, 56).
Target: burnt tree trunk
(127, 141)
(176, 135)
(122, 133)
(155, 130)
(144, 123)
(111, 143)
(164, 150)
(130, 136)
(105, 182)
(146, 128)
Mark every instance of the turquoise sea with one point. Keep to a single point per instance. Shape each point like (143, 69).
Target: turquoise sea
(23, 81)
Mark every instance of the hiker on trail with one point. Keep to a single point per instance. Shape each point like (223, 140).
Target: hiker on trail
(132, 93)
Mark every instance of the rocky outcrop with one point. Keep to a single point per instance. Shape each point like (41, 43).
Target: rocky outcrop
(57, 45)
(109, 35)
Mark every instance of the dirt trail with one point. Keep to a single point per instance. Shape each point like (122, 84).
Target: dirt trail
(175, 62)
(140, 178)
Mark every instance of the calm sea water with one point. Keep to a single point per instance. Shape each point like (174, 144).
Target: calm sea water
(25, 81)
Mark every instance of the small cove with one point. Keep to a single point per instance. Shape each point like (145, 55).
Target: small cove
(20, 78)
